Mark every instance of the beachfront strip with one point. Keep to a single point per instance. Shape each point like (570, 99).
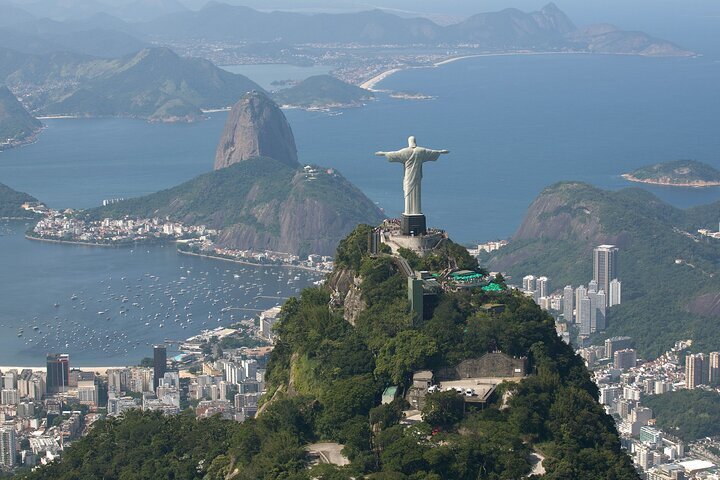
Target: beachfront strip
(69, 226)
(219, 371)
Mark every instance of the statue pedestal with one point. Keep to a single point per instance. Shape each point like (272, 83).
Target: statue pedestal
(413, 225)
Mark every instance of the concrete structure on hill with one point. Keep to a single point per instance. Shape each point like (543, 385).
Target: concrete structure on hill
(492, 364)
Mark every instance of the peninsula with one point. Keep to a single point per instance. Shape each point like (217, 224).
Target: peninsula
(678, 173)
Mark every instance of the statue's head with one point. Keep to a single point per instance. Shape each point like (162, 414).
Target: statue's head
(411, 142)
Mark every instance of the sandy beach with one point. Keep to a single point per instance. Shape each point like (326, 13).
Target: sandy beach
(372, 83)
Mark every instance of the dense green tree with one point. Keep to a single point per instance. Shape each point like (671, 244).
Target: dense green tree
(408, 351)
(443, 409)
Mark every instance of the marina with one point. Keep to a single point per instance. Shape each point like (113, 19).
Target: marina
(143, 296)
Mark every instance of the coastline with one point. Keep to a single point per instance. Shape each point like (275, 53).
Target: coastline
(697, 184)
(253, 264)
(72, 242)
(371, 84)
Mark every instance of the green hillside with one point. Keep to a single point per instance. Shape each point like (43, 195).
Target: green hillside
(16, 124)
(154, 83)
(678, 172)
(10, 201)
(669, 273)
(263, 204)
(322, 91)
(689, 414)
(326, 377)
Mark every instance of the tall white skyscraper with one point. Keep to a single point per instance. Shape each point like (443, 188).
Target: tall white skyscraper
(593, 296)
(8, 446)
(600, 323)
(695, 366)
(714, 368)
(568, 303)
(529, 283)
(605, 266)
(542, 285)
(583, 315)
(580, 293)
(615, 297)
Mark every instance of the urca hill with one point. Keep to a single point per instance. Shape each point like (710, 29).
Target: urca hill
(259, 196)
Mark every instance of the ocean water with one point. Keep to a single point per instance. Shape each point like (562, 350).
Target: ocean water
(108, 306)
(513, 125)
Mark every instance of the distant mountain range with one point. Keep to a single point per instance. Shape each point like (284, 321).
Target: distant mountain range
(154, 83)
(670, 274)
(17, 126)
(509, 29)
(104, 66)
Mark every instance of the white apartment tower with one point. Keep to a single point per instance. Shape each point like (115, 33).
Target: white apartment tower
(615, 297)
(568, 303)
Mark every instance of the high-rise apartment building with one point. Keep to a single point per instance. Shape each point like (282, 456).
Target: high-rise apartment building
(584, 310)
(529, 283)
(614, 344)
(714, 368)
(592, 295)
(58, 371)
(580, 293)
(694, 368)
(605, 266)
(601, 301)
(568, 303)
(542, 286)
(8, 446)
(615, 295)
(624, 359)
(159, 364)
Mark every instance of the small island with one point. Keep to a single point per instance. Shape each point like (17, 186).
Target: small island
(323, 91)
(678, 173)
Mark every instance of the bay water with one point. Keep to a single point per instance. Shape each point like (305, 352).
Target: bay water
(513, 125)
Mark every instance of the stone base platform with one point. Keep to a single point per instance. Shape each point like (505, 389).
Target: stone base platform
(422, 244)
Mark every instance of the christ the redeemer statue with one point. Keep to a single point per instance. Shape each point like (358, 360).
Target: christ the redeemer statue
(412, 158)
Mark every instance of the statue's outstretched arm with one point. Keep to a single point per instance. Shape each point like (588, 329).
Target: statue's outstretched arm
(398, 156)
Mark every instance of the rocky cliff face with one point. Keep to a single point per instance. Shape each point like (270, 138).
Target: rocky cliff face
(256, 127)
